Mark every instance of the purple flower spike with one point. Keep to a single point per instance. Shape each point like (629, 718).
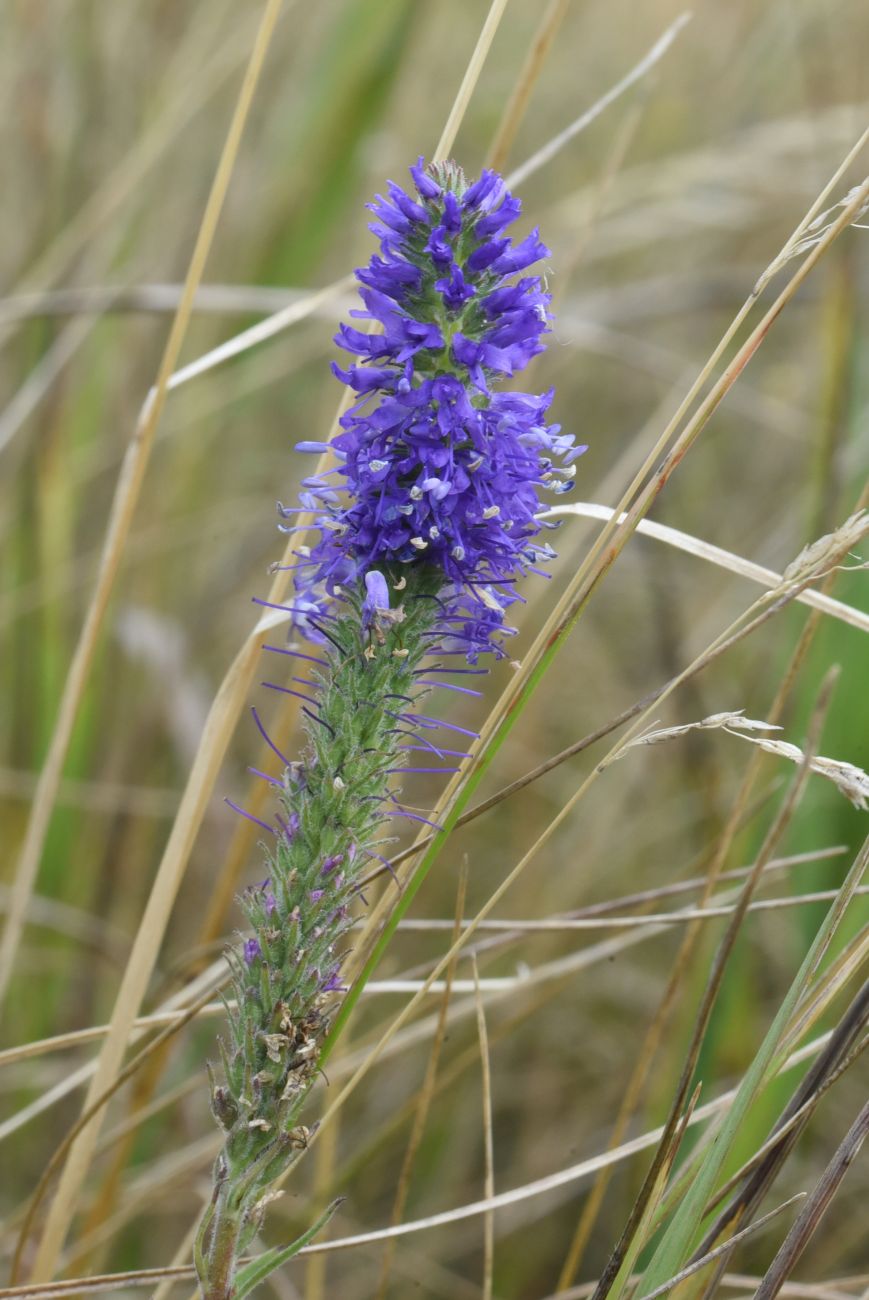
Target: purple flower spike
(440, 469)
(425, 519)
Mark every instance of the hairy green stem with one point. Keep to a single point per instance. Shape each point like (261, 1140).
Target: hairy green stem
(360, 690)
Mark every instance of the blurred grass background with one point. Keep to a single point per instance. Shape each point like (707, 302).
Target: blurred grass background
(660, 217)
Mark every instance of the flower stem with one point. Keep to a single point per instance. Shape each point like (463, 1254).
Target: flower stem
(361, 695)
(216, 1257)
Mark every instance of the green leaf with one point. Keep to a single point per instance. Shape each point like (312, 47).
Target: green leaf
(675, 1245)
(264, 1265)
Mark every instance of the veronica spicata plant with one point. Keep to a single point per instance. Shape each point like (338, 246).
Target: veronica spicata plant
(423, 527)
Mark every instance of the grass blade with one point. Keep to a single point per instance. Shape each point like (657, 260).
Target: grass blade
(259, 1269)
(678, 1238)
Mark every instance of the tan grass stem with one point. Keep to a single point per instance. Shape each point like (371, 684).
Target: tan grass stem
(126, 497)
(423, 1103)
(538, 1187)
(611, 542)
(469, 81)
(717, 555)
(554, 146)
(488, 1137)
(219, 726)
(516, 107)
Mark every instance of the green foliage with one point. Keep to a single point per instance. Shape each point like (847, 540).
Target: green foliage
(264, 1265)
(286, 982)
(674, 1249)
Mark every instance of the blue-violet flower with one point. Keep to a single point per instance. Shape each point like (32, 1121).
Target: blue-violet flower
(440, 468)
(425, 525)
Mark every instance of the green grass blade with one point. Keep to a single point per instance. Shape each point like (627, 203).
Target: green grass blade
(678, 1238)
(264, 1265)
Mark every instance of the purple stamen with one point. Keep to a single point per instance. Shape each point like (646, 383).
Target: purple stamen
(250, 817)
(288, 609)
(287, 690)
(297, 654)
(315, 717)
(449, 753)
(440, 668)
(287, 830)
(413, 817)
(426, 744)
(438, 771)
(267, 738)
(448, 686)
(450, 726)
(273, 781)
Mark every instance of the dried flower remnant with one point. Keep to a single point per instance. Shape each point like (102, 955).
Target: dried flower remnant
(734, 719)
(425, 525)
(849, 779)
(819, 227)
(820, 557)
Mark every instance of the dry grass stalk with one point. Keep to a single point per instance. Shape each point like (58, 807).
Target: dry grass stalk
(815, 1208)
(488, 1138)
(510, 879)
(849, 779)
(838, 1056)
(226, 708)
(653, 1038)
(735, 563)
(520, 95)
(683, 1227)
(422, 1105)
(126, 496)
(583, 919)
(538, 1187)
(92, 1108)
(822, 990)
(709, 998)
(674, 1142)
(558, 142)
(599, 561)
(722, 1250)
(42, 378)
(561, 816)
